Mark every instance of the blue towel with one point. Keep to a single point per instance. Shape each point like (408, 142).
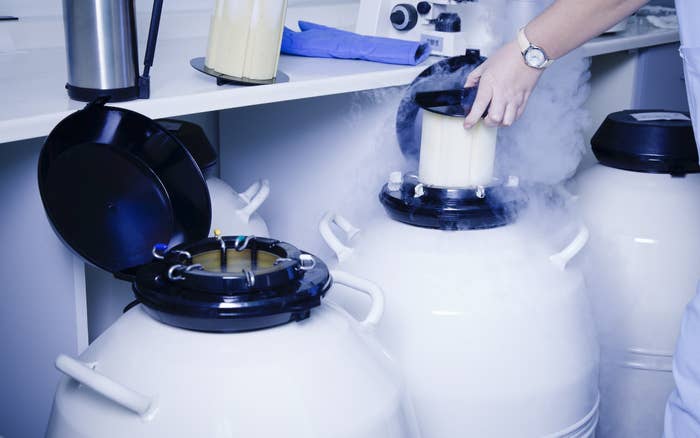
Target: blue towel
(326, 42)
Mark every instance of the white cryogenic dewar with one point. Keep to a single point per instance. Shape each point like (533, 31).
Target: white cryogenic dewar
(641, 205)
(451, 156)
(236, 213)
(235, 338)
(143, 378)
(491, 329)
(245, 38)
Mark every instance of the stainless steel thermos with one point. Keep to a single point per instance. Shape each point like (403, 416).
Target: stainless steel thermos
(102, 49)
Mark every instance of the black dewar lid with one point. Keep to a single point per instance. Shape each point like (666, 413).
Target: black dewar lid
(652, 141)
(126, 194)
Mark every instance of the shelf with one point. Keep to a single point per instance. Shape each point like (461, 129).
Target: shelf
(639, 34)
(34, 99)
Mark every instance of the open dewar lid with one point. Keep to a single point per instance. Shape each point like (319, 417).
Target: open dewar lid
(114, 183)
(653, 141)
(126, 194)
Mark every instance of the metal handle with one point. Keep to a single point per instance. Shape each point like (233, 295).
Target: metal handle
(144, 80)
(368, 288)
(118, 393)
(254, 196)
(342, 251)
(562, 258)
(152, 36)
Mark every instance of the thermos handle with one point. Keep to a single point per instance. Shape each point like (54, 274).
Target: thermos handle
(368, 288)
(562, 258)
(254, 196)
(118, 393)
(341, 250)
(144, 80)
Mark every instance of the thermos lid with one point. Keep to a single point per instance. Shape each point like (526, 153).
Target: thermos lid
(653, 141)
(232, 284)
(114, 183)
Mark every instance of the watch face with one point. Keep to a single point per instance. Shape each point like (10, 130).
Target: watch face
(535, 57)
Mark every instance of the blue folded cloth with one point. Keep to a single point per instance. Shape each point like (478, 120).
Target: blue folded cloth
(320, 41)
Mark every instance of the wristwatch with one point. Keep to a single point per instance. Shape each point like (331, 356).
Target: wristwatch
(534, 56)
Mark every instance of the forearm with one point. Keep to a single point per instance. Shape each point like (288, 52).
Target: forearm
(567, 24)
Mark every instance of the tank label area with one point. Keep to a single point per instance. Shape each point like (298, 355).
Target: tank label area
(648, 117)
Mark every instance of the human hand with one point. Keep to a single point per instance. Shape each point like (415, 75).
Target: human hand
(505, 84)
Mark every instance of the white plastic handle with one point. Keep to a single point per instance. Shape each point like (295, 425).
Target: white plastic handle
(368, 288)
(254, 196)
(564, 192)
(118, 393)
(341, 250)
(562, 258)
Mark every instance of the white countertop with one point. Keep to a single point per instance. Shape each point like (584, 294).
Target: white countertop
(34, 99)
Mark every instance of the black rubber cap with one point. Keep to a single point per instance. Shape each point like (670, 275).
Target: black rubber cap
(448, 22)
(423, 7)
(652, 141)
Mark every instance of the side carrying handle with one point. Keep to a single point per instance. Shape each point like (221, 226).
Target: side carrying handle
(368, 288)
(118, 393)
(562, 258)
(144, 79)
(254, 196)
(342, 251)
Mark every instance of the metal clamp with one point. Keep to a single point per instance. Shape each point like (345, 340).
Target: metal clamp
(174, 273)
(250, 277)
(159, 250)
(241, 242)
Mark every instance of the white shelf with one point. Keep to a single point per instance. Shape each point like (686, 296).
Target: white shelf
(34, 99)
(638, 34)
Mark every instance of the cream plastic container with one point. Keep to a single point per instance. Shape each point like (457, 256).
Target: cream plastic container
(245, 38)
(451, 156)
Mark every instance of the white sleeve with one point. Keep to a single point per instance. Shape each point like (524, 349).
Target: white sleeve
(683, 407)
(689, 20)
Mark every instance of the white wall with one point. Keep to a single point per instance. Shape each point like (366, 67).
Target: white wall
(39, 294)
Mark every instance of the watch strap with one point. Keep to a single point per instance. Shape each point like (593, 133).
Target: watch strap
(525, 45)
(523, 42)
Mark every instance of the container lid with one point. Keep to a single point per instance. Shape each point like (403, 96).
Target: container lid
(451, 209)
(114, 183)
(453, 103)
(448, 74)
(231, 284)
(193, 137)
(653, 141)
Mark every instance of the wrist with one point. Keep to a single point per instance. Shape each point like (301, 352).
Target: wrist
(534, 55)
